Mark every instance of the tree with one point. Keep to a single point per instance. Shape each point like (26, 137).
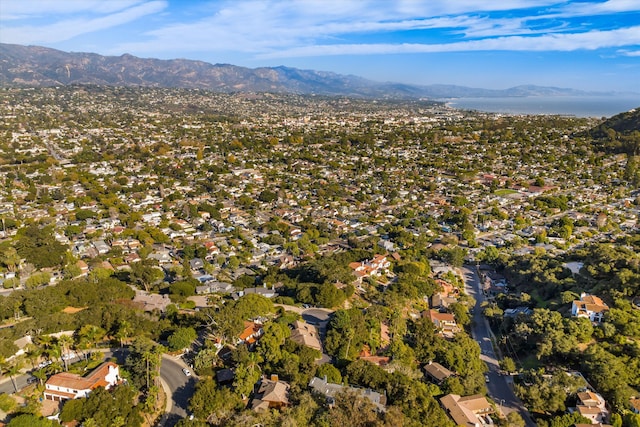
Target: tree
(515, 420)
(39, 246)
(508, 365)
(10, 258)
(143, 362)
(65, 342)
(354, 410)
(7, 403)
(31, 420)
(330, 372)
(124, 331)
(246, 376)
(145, 275)
(90, 335)
(12, 371)
(37, 279)
(182, 338)
(113, 407)
(212, 403)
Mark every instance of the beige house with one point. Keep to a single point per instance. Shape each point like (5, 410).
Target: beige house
(593, 406)
(306, 334)
(271, 394)
(468, 411)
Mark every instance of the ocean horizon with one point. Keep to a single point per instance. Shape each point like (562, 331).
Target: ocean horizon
(578, 106)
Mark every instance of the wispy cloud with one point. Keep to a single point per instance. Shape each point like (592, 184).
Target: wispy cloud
(298, 28)
(591, 40)
(28, 9)
(75, 18)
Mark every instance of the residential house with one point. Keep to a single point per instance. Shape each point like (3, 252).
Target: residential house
(196, 264)
(151, 302)
(447, 295)
(271, 394)
(468, 411)
(305, 334)
(65, 385)
(592, 406)
(437, 373)
(365, 354)
(225, 376)
(589, 306)
(101, 246)
(515, 312)
(83, 266)
(634, 402)
(264, 291)
(377, 266)
(251, 333)
(211, 287)
(445, 323)
(330, 390)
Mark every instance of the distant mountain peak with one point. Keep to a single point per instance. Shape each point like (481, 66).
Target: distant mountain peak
(41, 66)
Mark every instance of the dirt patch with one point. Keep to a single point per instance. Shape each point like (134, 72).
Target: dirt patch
(73, 310)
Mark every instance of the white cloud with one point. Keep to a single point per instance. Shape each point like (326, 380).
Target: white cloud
(283, 28)
(77, 25)
(591, 40)
(28, 9)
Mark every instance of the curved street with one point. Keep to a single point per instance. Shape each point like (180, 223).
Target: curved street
(499, 386)
(178, 387)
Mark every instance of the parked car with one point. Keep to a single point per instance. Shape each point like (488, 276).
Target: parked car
(186, 372)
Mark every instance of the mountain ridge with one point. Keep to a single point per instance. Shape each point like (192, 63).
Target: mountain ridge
(41, 66)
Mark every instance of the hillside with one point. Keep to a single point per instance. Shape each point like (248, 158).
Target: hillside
(620, 133)
(36, 66)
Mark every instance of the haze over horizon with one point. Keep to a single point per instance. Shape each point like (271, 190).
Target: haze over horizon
(588, 45)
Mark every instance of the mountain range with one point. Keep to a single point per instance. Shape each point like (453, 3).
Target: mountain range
(36, 66)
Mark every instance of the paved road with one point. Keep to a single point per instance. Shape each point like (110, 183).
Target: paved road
(179, 387)
(499, 388)
(6, 386)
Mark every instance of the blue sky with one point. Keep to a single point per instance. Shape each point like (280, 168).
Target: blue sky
(586, 44)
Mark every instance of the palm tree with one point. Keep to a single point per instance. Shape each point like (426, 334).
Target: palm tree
(41, 375)
(124, 331)
(12, 371)
(65, 342)
(89, 335)
(33, 353)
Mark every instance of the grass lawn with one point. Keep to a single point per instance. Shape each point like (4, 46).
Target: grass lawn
(504, 192)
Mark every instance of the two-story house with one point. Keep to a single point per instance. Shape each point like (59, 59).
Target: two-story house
(589, 306)
(65, 385)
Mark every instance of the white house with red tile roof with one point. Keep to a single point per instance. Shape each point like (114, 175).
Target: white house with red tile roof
(589, 306)
(65, 385)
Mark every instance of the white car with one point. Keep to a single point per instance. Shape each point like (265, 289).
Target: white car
(186, 372)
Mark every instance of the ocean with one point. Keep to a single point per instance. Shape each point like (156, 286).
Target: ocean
(578, 106)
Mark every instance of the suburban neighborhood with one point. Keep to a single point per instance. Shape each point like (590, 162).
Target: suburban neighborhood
(309, 260)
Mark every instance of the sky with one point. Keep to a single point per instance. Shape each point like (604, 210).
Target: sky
(495, 44)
